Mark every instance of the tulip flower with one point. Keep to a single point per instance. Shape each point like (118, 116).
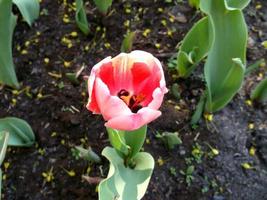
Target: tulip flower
(127, 90)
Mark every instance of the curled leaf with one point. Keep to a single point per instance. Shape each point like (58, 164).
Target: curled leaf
(225, 66)
(125, 183)
(29, 9)
(20, 133)
(195, 46)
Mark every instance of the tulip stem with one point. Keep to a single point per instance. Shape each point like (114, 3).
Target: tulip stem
(129, 162)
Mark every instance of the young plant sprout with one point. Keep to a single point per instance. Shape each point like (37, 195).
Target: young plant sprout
(127, 91)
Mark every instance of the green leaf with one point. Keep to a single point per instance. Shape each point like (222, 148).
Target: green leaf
(194, 48)
(230, 85)
(260, 92)
(128, 143)
(127, 42)
(175, 90)
(118, 142)
(236, 4)
(72, 78)
(254, 66)
(225, 65)
(125, 183)
(135, 140)
(88, 154)
(4, 136)
(170, 139)
(199, 110)
(103, 5)
(3, 146)
(194, 3)
(81, 18)
(7, 24)
(20, 133)
(190, 169)
(29, 9)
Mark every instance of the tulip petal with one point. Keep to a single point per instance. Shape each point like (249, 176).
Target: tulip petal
(92, 103)
(134, 120)
(110, 106)
(106, 75)
(158, 96)
(122, 72)
(139, 56)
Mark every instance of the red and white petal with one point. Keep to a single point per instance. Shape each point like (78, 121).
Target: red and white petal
(92, 104)
(110, 106)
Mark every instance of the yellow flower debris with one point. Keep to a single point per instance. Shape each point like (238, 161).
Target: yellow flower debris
(160, 161)
(251, 126)
(146, 32)
(252, 151)
(46, 60)
(67, 64)
(246, 165)
(48, 176)
(264, 44)
(54, 134)
(157, 45)
(208, 117)
(6, 165)
(248, 102)
(74, 34)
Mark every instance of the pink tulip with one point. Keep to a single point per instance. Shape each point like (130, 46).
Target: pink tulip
(127, 90)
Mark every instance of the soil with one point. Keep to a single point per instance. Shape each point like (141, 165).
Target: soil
(55, 108)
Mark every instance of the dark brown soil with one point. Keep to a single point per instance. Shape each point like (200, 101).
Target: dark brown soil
(55, 108)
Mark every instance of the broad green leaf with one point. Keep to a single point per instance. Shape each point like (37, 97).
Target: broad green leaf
(260, 92)
(81, 18)
(194, 48)
(230, 85)
(29, 9)
(20, 133)
(103, 5)
(225, 65)
(127, 42)
(125, 183)
(7, 24)
(4, 135)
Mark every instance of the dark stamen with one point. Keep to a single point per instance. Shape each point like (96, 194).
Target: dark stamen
(123, 92)
(135, 108)
(133, 102)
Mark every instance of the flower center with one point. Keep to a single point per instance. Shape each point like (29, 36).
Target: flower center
(132, 101)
